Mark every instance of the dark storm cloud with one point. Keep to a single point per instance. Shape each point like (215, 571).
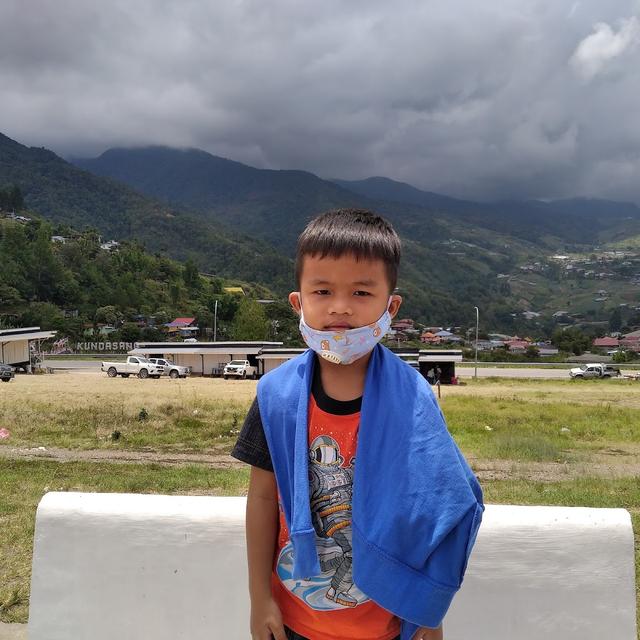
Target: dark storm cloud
(513, 98)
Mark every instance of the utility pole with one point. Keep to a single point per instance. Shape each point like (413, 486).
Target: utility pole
(475, 375)
(215, 321)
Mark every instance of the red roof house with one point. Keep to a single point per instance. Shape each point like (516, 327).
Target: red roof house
(606, 342)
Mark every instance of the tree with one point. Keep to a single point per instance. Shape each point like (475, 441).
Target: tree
(283, 323)
(571, 340)
(216, 286)
(130, 332)
(108, 315)
(615, 320)
(16, 201)
(11, 198)
(532, 352)
(190, 275)
(151, 334)
(175, 292)
(250, 322)
(621, 357)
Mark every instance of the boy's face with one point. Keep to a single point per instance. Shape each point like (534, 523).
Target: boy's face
(343, 293)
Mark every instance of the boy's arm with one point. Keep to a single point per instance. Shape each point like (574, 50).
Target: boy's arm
(425, 633)
(261, 532)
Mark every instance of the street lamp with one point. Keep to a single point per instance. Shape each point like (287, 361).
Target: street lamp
(475, 375)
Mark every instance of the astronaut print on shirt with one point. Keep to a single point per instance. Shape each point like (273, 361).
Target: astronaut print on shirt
(331, 482)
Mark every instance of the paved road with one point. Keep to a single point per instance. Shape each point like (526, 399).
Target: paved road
(509, 372)
(75, 365)
(89, 366)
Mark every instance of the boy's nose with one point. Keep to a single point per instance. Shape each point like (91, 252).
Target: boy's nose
(340, 307)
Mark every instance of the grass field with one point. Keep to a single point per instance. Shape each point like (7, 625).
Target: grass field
(530, 441)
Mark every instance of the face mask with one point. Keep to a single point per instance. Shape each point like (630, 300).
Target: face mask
(344, 347)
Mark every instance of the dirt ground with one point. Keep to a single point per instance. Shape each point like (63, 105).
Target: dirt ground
(609, 463)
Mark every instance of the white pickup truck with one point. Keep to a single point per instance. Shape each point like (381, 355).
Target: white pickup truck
(239, 369)
(135, 365)
(594, 370)
(171, 369)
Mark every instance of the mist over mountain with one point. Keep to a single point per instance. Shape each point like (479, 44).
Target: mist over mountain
(573, 221)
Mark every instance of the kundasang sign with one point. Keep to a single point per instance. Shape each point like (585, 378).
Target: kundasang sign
(101, 347)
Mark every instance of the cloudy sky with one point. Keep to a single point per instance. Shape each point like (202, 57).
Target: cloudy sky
(507, 98)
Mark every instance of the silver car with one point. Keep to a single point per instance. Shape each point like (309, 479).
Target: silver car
(171, 369)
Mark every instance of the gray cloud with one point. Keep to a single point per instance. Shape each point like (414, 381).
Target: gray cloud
(512, 98)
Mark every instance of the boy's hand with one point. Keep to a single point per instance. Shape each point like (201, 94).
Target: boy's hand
(266, 621)
(425, 633)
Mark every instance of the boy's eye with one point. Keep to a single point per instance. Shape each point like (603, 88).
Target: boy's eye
(361, 293)
(321, 292)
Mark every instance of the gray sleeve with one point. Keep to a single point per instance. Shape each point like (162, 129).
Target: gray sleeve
(251, 446)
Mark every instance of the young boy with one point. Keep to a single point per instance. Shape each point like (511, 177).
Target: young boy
(361, 512)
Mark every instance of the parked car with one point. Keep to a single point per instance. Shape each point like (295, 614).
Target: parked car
(239, 369)
(135, 365)
(7, 372)
(171, 369)
(594, 370)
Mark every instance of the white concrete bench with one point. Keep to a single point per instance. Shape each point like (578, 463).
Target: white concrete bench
(148, 567)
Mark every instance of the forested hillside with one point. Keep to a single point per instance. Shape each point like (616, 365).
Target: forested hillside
(62, 193)
(70, 284)
(239, 222)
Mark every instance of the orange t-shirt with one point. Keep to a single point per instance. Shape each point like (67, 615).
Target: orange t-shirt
(329, 606)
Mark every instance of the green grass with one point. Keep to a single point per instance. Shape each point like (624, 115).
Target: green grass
(525, 419)
(516, 429)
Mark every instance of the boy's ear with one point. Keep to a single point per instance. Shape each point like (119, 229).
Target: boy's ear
(394, 305)
(294, 301)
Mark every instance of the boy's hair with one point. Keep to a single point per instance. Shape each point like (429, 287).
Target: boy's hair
(358, 232)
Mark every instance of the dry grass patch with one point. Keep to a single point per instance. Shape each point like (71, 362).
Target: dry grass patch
(85, 411)
(617, 393)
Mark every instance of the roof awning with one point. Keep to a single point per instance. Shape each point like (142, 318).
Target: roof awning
(16, 337)
(279, 354)
(440, 356)
(196, 349)
(164, 350)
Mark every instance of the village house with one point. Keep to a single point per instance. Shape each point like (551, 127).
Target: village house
(405, 324)
(606, 343)
(517, 346)
(110, 245)
(448, 336)
(403, 330)
(631, 341)
(182, 327)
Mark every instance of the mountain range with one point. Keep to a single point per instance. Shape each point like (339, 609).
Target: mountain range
(241, 221)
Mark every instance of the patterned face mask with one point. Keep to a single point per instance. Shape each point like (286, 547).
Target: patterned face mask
(344, 347)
